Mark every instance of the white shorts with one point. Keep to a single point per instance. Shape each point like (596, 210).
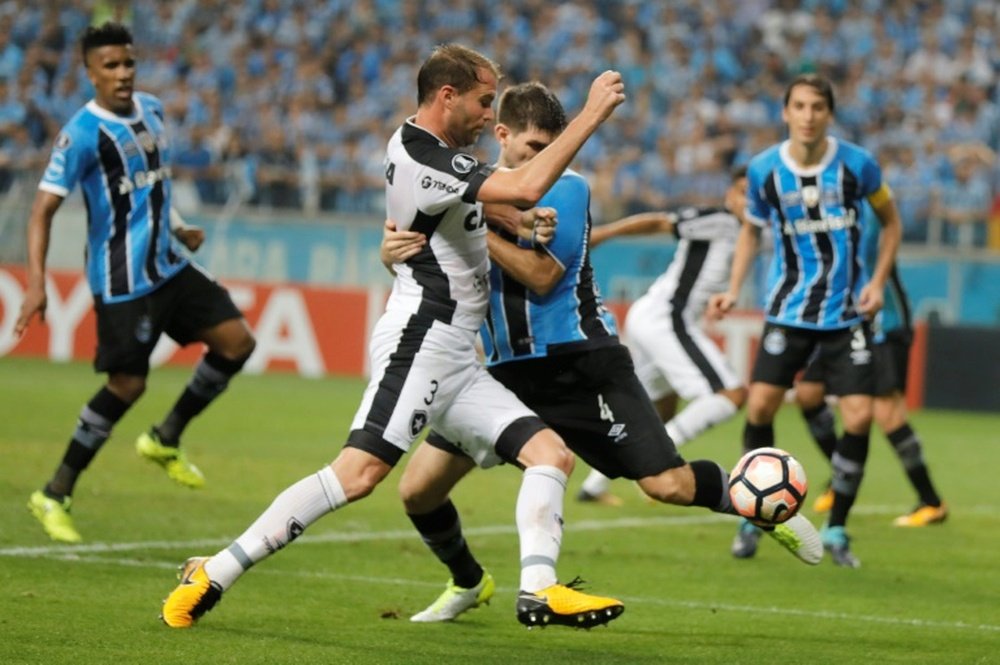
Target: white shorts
(426, 373)
(673, 354)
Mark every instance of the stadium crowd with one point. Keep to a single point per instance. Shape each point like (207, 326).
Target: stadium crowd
(288, 104)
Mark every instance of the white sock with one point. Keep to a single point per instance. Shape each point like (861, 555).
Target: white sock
(596, 483)
(282, 522)
(698, 416)
(539, 524)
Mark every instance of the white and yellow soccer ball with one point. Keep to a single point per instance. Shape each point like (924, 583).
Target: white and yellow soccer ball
(768, 486)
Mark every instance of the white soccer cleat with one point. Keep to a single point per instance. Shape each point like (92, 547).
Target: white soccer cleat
(800, 537)
(455, 600)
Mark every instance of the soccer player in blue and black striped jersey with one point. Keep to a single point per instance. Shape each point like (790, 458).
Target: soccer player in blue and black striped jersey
(116, 148)
(892, 337)
(810, 189)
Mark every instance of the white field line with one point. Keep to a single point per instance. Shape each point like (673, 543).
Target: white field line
(821, 615)
(410, 534)
(360, 536)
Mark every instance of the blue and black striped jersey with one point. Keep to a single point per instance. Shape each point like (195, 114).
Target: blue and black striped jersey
(122, 166)
(571, 317)
(816, 273)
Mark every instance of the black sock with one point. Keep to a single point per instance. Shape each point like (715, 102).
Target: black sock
(711, 487)
(210, 379)
(822, 427)
(442, 531)
(848, 470)
(92, 429)
(757, 436)
(908, 448)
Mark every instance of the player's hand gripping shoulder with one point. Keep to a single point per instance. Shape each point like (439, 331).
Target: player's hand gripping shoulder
(538, 225)
(399, 246)
(606, 92)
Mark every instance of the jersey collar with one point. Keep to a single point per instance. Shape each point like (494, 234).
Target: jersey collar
(785, 152)
(105, 114)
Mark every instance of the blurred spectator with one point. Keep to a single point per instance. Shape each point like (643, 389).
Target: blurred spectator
(965, 203)
(705, 80)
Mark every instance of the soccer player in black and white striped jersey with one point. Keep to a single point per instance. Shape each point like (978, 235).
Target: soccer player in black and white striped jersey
(423, 358)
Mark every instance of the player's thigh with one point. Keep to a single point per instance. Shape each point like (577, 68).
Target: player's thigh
(646, 326)
(126, 334)
(192, 302)
(696, 366)
(487, 422)
(603, 414)
(783, 351)
(848, 361)
(418, 368)
(891, 357)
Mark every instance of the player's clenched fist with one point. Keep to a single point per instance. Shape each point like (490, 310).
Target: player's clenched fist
(606, 92)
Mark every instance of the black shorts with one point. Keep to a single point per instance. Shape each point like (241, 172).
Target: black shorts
(594, 401)
(183, 306)
(843, 358)
(892, 362)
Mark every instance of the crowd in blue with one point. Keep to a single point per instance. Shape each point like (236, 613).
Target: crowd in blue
(287, 104)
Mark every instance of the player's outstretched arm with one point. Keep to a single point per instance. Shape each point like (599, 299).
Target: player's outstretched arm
(872, 295)
(39, 231)
(747, 242)
(525, 185)
(643, 223)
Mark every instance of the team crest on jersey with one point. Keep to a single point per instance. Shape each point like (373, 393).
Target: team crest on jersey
(146, 140)
(418, 421)
(810, 196)
(144, 329)
(63, 141)
(463, 163)
(130, 148)
(775, 342)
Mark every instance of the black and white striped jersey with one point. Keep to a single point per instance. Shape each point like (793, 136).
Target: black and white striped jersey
(702, 262)
(432, 188)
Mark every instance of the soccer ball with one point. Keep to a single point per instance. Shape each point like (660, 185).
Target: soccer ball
(768, 486)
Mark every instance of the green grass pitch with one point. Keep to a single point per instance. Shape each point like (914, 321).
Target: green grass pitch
(344, 592)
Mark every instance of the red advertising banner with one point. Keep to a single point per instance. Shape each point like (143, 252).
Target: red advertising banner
(306, 329)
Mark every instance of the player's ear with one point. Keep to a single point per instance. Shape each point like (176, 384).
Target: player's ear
(502, 133)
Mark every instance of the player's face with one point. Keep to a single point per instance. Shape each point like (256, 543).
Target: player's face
(807, 115)
(473, 110)
(518, 147)
(111, 69)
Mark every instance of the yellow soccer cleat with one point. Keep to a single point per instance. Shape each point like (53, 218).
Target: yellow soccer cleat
(923, 515)
(563, 605)
(54, 517)
(824, 502)
(195, 595)
(455, 600)
(172, 459)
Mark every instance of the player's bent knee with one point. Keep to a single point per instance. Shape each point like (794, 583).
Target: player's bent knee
(546, 448)
(127, 387)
